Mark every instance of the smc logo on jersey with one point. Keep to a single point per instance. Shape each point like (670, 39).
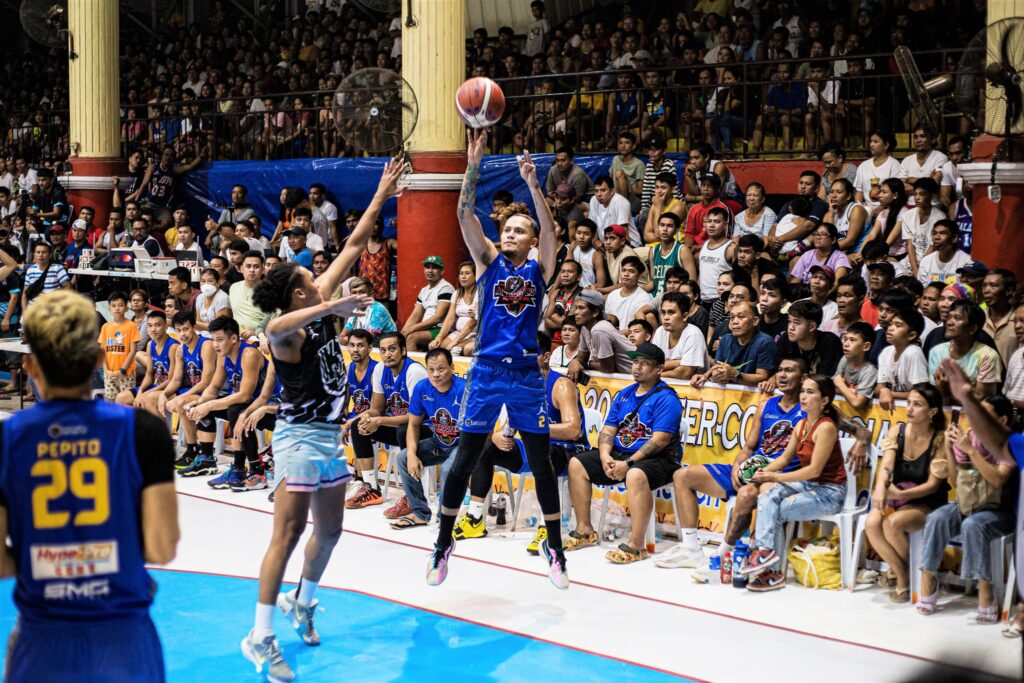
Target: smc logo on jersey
(632, 430)
(515, 294)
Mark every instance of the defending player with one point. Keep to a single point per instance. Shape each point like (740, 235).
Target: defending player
(87, 497)
(511, 287)
(308, 458)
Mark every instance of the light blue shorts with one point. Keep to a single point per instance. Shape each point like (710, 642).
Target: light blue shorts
(308, 457)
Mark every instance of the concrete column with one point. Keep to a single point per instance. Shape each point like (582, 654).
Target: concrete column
(434, 64)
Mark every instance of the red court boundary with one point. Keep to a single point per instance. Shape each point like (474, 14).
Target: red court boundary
(660, 601)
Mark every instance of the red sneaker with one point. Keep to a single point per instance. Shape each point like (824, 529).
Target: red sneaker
(364, 498)
(399, 509)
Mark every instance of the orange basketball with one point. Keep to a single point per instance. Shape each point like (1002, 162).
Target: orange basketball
(480, 102)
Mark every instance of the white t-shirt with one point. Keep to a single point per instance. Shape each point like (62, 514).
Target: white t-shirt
(828, 311)
(7, 180)
(929, 325)
(931, 268)
(1013, 389)
(536, 37)
(314, 243)
(624, 308)
(200, 261)
(951, 178)
(206, 315)
(910, 168)
(429, 297)
(616, 213)
(26, 181)
(902, 374)
(867, 171)
(690, 350)
(329, 210)
(920, 232)
(413, 375)
(560, 357)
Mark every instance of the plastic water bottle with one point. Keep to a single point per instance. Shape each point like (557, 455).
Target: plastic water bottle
(466, 500)
(566, 522)
(393, 287)
(739, 558)
(725, 572)
(715, 570)
(499, 512)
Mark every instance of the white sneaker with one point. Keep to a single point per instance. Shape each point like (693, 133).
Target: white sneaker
(300, 617)
(680, 558)
(267, 651)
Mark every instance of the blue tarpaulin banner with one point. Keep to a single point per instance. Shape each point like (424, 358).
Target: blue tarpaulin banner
(350, 184)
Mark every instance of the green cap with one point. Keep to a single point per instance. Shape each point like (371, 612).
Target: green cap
(434, 261)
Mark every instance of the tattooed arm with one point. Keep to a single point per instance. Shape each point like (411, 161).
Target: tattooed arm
(481, 249)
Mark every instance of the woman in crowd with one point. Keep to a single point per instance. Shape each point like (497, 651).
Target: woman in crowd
(849, 216)
(458, 331)
(912, 480)
(757, 218)
(826, 253)
(873, 171)
(892, 200)
(213, 302)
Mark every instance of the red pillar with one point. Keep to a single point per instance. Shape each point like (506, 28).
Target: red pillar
(91, 184)
(427, 223)
(998, 239)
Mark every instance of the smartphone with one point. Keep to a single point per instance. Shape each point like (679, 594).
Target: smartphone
(583, 378)
(956, 416)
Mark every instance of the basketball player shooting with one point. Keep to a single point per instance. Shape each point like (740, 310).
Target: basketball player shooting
(504, 370)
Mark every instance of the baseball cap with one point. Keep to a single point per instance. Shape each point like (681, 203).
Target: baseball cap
(883, 265)
(57, 228)
(616, 229)
(656, 143)
(564, 190)
(434, 261)
(592, 297)
(828, 272)
(642, 55)
(295, 231)
(649, 350)
(79, 225)
(974, 269)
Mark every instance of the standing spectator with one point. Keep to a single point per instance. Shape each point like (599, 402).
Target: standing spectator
(683, 343)
(42, 276)
(564, 170)
(925, 162)
(997, 290)
(945, 259)
(119, 338)
(377, 259)
(1014, 386)
(319, 201)
(424, 323)
(159, 184)
(537, 31)
(757, 218)
(609, 208)
(628, 171)
(878, 167)
(980, 363)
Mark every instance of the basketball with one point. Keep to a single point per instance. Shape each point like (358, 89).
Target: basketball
(480, 102)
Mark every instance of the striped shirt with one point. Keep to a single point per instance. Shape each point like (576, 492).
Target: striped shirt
(56, 277)
(667, 166)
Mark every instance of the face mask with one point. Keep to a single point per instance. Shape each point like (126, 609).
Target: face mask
(207, 289)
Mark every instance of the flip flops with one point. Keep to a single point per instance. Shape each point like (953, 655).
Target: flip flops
(407, 522)
(625, 554)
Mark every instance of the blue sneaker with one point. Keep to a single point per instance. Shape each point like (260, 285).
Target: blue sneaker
(233, 476)
(202, 465)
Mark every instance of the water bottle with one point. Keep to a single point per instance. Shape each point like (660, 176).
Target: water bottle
(715, 570)
(393, 287)
(500, 507)
(725, 572)
(739, 558)
(566, 522)
(531, 521)
(508, 431)
(466, 500)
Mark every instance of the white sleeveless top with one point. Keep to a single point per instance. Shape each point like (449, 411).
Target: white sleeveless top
(586, 261)
(842, 222)
(464, 312)
(711, 263)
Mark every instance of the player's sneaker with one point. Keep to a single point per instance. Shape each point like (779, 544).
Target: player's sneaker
(680, 557)
(540, 537)
(469, 527)
(186, 457)
(233, 476)
(366, 497)
(252, 482)
(267, 651)
(203, 465)
(556, 565)
(300, 617)
(437, 567)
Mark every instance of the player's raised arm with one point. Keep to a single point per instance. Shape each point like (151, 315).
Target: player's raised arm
(548, 246)
(481, 249)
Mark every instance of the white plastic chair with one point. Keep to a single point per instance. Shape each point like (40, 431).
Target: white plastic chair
(1000, 552)
(392, 468)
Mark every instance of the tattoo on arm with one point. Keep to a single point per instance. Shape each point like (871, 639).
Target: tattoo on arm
(605, 438)
(467, 199)
(648, 449)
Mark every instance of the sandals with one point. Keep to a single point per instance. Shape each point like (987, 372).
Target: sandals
(407, 522)
(926, 603)
(900, 595)
(887, 580)
(987, 615)
(625, 554)
(575, 540)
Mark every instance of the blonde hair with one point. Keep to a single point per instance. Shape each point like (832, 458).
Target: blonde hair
(61, 330)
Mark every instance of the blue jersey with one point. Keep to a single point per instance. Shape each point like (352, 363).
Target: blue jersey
(71, 481)
(776, 427)
(555, 415)
(193, 363)
(660, 412)
(361, 391)
(439, 410)
(396, 389)
(508, 312)
(161, 360)
(233, 368)
(964, 219)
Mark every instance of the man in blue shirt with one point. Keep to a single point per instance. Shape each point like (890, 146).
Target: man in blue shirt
(745, 355)
(436, 403)
(297, 243)
(639, 445)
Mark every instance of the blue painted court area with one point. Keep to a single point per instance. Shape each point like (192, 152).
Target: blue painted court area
(202, 619)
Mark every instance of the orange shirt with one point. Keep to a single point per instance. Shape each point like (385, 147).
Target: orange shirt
(118, 341)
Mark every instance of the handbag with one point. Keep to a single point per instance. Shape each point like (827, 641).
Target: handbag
(816, 563)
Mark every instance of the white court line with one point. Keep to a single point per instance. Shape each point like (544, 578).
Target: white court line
(669, 623)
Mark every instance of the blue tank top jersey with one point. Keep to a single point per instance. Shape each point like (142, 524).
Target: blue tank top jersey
(964, 219)
(555, 415)
(361, 391)
(193, 363)
(396, 389)
(776, 427)
(509, 312)
(233, 368)
(440, 411)
(161, 360)
(71, 483)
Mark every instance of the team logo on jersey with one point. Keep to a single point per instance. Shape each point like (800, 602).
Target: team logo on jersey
(396, 405)
(160, 370)
(445, 428)
(775, 440)
(632, 431)
(360, 404)
(193, 374)
(515, 294)
(332, 367)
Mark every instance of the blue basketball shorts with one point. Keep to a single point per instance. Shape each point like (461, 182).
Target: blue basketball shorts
(491, 386)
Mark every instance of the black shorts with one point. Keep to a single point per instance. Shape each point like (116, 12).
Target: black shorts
(659, 470)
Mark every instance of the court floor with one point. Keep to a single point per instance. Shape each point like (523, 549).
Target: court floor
(498, 618)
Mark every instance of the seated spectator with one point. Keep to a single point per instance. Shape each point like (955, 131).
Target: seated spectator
(158, 363)
(998, 289)
(621, 304)
(696, 233)
(212, 302)
(321, 261)
(739, 292)
(855, 376)
(768, 435)
(624, 108)
(980, 363)
(435, 403)
(984, 506)
(424, 323)
(849, 217)
(179, 285)
(826, 254)
(187, 242)
(562, 297)
(850, 293)
(602, 348)
(657, 163)
(663, 201)
(565, 171)
(683, 343)
(929, 304)
(901, 364)
(925, 162)
(881, 273)
(141, 238)
(773, 298)
(668, 254)
(822, 101)
(973, 276)
(376, 320)
(945, 258)
(564, 354)
(718, 312)
(751, 259)
(758, 218)
(912, 481)
(628, 170)
(820, 287)
(194, 363)
(250, 318)
(833, 156)
(783, 108)
(822, 350)
(917, 223)
(458, 331)
(887, 226)
(615, 251)
(639, 445)
(566, 207)
(639, 332)
(608, 208)
(822, 473)
(716, 255)
(298, 249)
(879, 166)
(895, 299)
(745, 355)
(700, 162)
(799, 217)
(658, 114)
(591, 259)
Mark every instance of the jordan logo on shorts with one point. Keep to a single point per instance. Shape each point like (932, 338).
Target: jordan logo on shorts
(515, 294)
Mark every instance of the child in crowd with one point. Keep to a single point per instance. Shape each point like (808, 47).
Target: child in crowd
(902, 364)
(119, 338)
(856, 377)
